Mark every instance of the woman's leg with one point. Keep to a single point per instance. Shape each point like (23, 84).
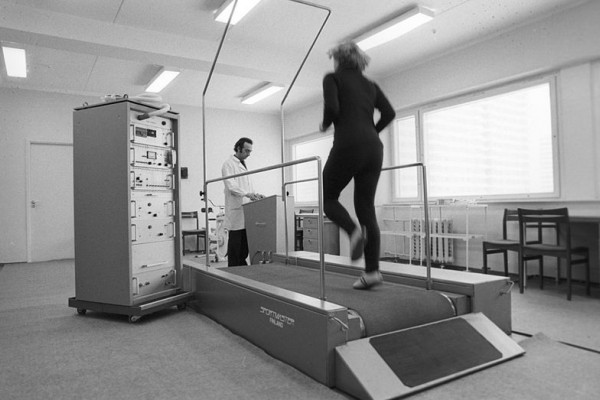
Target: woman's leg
(336, 175)
(365, 187)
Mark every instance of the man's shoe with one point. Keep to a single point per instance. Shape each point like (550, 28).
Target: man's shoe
(368, 280)
(357, 244)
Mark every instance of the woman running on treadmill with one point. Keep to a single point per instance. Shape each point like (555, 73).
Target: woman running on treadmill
(357, 153)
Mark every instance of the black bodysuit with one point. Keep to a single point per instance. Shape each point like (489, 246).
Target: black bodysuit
(350, 101)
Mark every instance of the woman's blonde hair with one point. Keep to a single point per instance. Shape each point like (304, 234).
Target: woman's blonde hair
(348, 54)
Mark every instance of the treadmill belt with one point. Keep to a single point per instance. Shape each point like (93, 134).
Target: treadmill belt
(384, 308)
(431, 352)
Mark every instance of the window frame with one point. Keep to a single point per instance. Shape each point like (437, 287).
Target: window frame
(415, 113)
(418, 113)
(292, 156)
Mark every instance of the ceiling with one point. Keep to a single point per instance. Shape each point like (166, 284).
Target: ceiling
(99, 47)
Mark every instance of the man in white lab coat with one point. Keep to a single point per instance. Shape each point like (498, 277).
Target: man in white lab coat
(237, 191)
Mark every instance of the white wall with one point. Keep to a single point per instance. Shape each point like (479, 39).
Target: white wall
(29, 115)
(223, 129)
(565, 43)
(26, 116)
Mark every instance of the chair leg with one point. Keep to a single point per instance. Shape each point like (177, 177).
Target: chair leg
(485, 264)
(542, 272)
(505, 254)
(521, 274)
(587, 274)
(569, 269)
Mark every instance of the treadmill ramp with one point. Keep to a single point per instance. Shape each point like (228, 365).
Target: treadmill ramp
(400, 363)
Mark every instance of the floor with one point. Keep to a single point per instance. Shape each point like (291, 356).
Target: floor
(575, 322)
(49, 351)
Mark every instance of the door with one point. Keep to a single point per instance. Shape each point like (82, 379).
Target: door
(50, 197)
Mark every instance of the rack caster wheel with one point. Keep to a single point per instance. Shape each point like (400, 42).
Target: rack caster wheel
(134, 318)
(81, 311)
(181, 306)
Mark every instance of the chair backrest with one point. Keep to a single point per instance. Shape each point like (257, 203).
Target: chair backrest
(191, 215)
(510, 215)
(555, 218)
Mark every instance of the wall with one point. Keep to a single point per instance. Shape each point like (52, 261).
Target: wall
(29, 115)
(565, 43)
(223, 129)
(26, 116)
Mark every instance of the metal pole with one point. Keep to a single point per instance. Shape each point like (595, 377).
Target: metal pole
(285, 219)
(284, 194)
(208, 79)
(309, 50)
(206, 241)
(285, 96)
(283, 118)
(321, 234)
(429, 281)
(264, 169)
(282, 122)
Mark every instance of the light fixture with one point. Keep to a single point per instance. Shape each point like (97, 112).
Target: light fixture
(262, 92)
(161, 80)
(14, 59)
(241, 8)
(394, 28)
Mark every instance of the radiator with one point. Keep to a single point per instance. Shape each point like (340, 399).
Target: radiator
(442, 247)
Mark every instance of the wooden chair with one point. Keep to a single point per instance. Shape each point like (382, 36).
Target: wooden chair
(560, 247)
(508, 243)
(197, 232)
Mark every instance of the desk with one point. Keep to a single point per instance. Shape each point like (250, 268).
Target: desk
(585, 219)
(309, 225)
(266, 227)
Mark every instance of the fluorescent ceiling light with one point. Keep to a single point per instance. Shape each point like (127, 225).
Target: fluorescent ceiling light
(161, 80)
(394, 28)
(14, 59)
(261, 93)
(241, 8)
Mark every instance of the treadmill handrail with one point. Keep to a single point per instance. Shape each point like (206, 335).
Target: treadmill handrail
(269, 168)
(321, 219)
(429, 281)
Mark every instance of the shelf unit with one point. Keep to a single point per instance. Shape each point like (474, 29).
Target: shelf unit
(405, 222)
(307, 233)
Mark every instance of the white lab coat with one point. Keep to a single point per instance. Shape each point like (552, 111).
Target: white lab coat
(235, 190)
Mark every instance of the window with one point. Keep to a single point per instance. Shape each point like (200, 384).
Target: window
(307, 192)
(500, 145)
(405, 152)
